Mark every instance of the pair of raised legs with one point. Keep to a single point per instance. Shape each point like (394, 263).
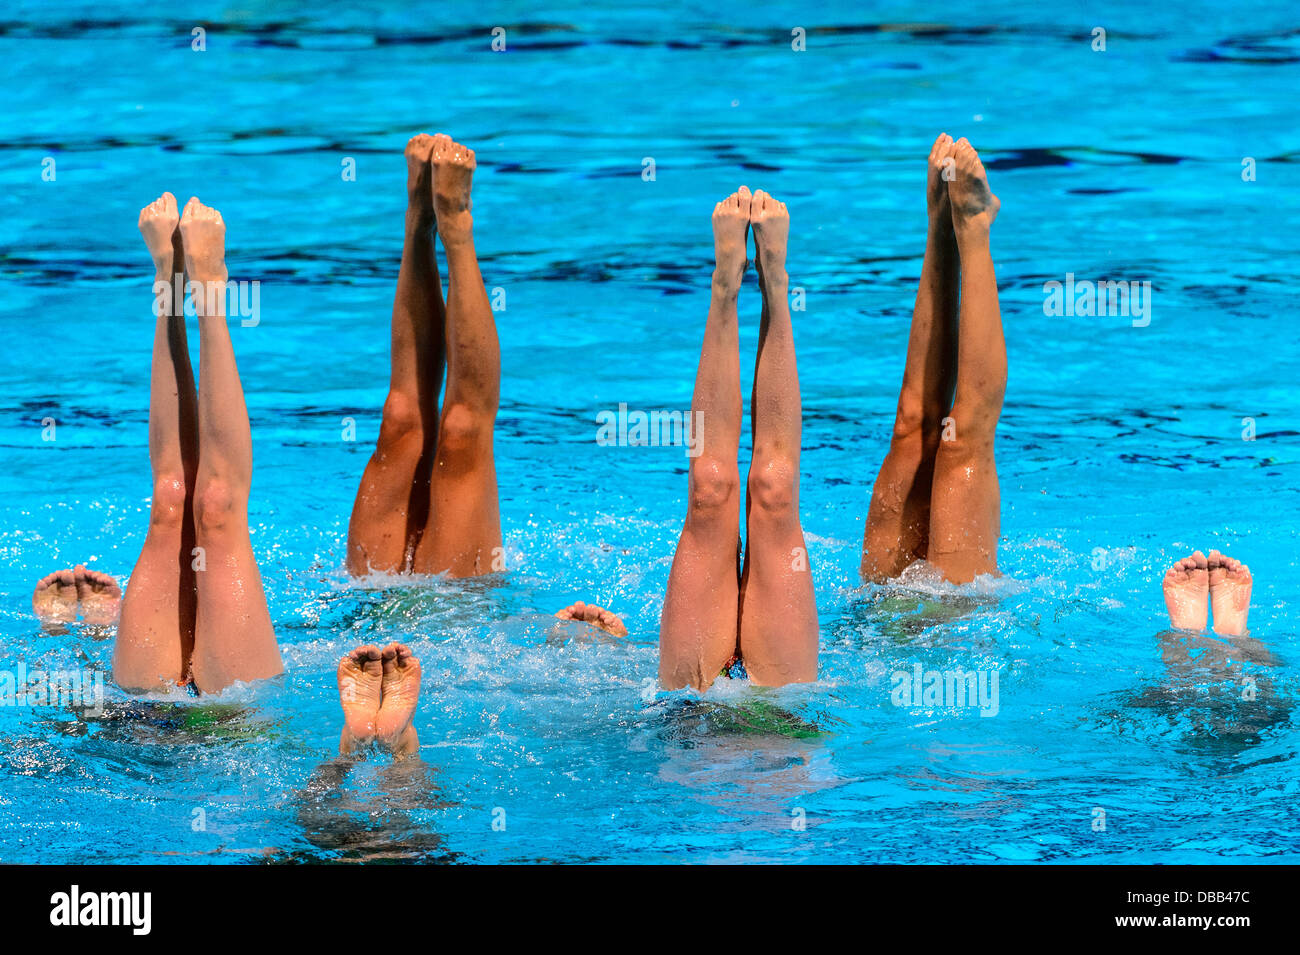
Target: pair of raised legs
(194, 609)
(1194, 584)
(717, 610)
(936, 497)
(428, 497)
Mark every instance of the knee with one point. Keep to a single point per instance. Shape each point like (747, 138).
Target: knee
(909, 419)
(216, 505)
(401, 419)
(462, 429)
(773, 486)
(965, 445)
(713, 485)
(169, 495)
(914, 429)
(975, 414)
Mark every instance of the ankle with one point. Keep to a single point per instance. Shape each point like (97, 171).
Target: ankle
(972, 230)
(940, 219)
(405, 743)
(456, 230)
(419, 219)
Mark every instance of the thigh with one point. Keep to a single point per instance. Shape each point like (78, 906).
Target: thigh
(234, 638)
(381, 531)
(779, 634)
(965, 512)
(462, 536)
(697, 628)
(149, 652)
(898, 520)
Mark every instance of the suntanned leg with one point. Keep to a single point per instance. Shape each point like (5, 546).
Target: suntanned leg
(778, 611)
(392, 505)
(697, 629)
(898, 522)
(155, 635)
(463, 537)
(965, 506)
(233, 638)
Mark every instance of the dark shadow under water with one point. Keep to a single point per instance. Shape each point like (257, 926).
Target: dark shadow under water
(1218, 696)
(369, 820)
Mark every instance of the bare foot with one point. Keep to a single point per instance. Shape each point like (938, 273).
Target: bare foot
(598, 617)
(453, 174)
(771, 223)
(730, 237)
(55, 598)
(1230, 584)
(936, 186)
(419, 181)
(401, 691)
(973, 203)
(360, 677)
(1187, 593)
(158, 222)
(99, 595)
(203, 232)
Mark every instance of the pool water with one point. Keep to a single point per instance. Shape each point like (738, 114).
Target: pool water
(1121, 446)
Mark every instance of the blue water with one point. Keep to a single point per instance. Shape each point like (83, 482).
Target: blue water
(1120, 447)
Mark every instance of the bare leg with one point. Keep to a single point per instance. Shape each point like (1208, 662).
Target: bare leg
(697, 629)
(778, 610)
(155, 636)
(463, 537)
(898, 522)
(392, 505)
(233, 639)
(965, 509)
